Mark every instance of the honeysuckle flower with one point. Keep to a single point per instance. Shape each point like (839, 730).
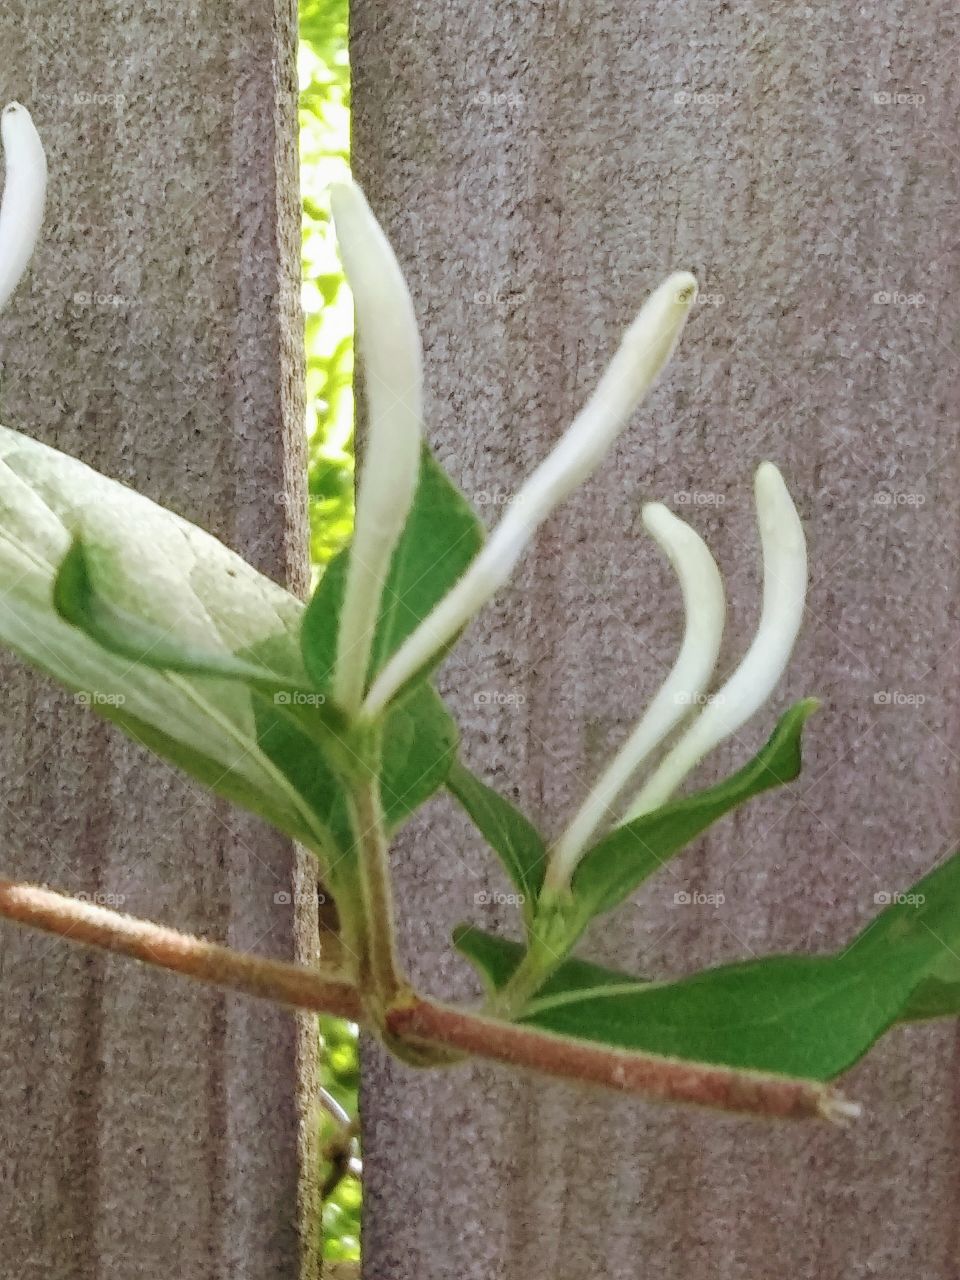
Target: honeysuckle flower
(784, 592)
(389, 344)
(646, 347)
(24, 191)
(704, 606)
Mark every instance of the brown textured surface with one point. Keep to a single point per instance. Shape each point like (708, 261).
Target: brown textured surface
(538, 175)
(152, 1127)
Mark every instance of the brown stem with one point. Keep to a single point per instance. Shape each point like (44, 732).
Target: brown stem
(660, 1079)
(377, 894)
(424, 1023)
(166, 948)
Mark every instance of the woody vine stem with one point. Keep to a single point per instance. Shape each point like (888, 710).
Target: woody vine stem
(424, 1023)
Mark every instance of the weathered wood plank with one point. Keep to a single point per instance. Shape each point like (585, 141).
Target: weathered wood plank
(540, 167)
(152, 1127)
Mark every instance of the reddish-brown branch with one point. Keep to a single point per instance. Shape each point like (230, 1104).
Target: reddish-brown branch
(660, 1079)
(166, 948)
(423, 1022)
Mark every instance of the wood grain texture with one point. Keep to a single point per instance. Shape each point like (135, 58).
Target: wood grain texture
(151, 1127)
(540, 166)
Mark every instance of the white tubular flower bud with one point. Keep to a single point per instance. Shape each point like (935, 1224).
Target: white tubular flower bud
(703, 600)
(646, 347)
(389, 345)
(24, 192)
(784, 593)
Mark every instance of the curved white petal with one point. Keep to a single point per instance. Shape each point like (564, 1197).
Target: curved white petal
(646, 347)
(24, 191)
(389, 343)
(703, 600)
(784, 593)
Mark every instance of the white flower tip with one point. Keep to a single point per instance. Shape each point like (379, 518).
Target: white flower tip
(650, 341)
(21, 142)
(776, 513)
(668, 305)
(768, 482)
(24, 192)
(385, 316)
(348, 201)
(660, 522)
(360, 237)
(684, 287)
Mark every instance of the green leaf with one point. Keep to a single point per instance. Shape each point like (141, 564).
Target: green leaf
(442, 535)
(496, 959)
(78, 601)
(623, 859)
(935, 997)
(154, 567)
(420, 744)
(520, 845)
(810, 1016)
(180, 642)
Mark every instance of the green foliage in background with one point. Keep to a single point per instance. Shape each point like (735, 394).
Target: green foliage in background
(340, 1075)
(328, 308)
(324, 150)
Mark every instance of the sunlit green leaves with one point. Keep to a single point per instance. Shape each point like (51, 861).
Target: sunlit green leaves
(328, 313)
(613, 868)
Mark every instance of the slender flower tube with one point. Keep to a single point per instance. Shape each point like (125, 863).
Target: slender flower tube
(703, 600)
(390, 349)
(784, 592)
(24, 191)
(645, 349)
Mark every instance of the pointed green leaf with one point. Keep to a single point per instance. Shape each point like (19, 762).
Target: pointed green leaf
(623, 859)
(496, 959)
(440, 538)
(78, 601)
(420, 744)
(174, 578)
(163, 630)
(520, 845)
(810, 1016)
